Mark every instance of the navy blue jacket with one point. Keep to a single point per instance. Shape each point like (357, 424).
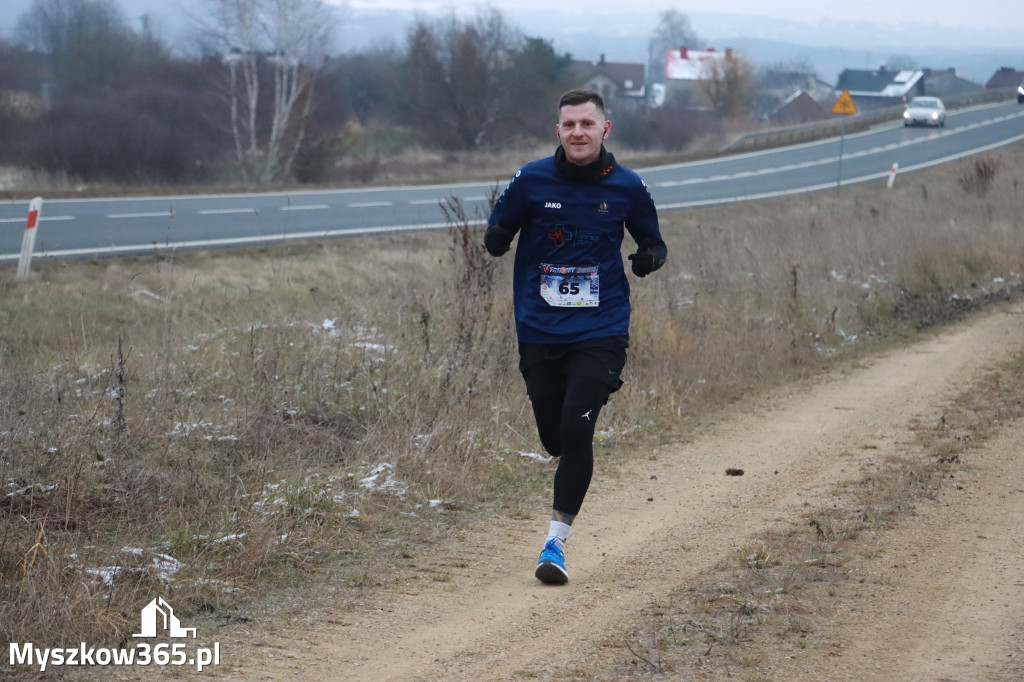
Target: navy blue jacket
(571, 226)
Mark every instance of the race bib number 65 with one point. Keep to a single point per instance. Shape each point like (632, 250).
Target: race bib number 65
(570, 286)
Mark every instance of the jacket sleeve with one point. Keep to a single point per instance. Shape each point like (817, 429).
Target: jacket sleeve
(506, 219)
(643, 226)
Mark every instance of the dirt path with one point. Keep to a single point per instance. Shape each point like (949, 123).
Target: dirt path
(945, 602)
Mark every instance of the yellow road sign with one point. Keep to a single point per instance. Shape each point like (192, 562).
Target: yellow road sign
(844, 105)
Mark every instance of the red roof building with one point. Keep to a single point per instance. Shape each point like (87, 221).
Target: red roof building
(1006, 77)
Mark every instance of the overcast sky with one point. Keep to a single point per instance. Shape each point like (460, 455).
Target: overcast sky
(1000, 17)
(994, 14)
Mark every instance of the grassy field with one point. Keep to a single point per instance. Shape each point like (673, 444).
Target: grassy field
(220, 426)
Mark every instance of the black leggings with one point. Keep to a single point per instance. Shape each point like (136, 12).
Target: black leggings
(566, 410)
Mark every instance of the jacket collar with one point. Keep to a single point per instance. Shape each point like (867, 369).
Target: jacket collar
(595, 171)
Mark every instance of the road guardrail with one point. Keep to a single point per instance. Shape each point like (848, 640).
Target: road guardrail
(816, 130)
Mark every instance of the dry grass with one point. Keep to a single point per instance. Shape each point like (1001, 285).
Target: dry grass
(216, 426)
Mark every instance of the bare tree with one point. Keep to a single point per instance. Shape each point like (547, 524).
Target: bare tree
(901, 62)
(802, 65)
(673, 31)
(537, 77)
(87, 42)
(454, 76)
(275, 45)
(56, 26)
(727, 82)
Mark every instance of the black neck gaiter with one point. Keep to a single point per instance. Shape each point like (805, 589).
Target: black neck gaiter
(595, 171)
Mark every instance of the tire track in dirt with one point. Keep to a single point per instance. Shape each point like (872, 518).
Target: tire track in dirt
(662, 522)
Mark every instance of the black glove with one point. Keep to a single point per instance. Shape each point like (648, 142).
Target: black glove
(498, 238)
(648, 258)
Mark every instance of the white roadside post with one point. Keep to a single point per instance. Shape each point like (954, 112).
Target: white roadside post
(28, 242)
(892, 175)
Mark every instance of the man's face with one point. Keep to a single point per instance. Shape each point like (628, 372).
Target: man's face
(581, 129)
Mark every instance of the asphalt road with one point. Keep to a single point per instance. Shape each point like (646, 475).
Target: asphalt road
(87, 227)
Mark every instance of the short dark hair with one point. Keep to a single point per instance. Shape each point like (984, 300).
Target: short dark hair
(576, 96)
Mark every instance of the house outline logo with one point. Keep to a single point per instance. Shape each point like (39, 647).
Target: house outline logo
(159, 613)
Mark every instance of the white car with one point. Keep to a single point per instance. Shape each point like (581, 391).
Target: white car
(925, 111)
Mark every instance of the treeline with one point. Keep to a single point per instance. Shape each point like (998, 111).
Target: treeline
(87, 96)
(93, 98)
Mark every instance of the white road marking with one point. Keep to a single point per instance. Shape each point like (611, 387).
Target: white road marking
(160, 214)
(371, 204)
(42, 219)
(440, 200)
(222, 211)
(307, 207)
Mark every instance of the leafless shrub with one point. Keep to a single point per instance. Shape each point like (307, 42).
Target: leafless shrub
(976, 175)
(473, 296)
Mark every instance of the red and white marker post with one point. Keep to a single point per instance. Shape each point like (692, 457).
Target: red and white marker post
(892, 175)
(28, 242)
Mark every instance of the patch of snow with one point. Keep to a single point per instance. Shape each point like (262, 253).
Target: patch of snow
(147, 292)
(380, 479)
(105, 574)
(536, 456)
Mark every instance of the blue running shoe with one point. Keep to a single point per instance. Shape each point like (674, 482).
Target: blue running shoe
(551, 565)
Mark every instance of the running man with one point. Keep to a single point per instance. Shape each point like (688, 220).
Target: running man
(571, 295)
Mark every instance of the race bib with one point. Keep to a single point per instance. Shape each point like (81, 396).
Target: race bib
(570, 286)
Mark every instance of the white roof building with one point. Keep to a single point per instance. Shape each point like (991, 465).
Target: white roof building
(690, 65)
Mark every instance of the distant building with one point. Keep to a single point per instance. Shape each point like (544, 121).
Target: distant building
(776, 90)
(799, 108)
(881, 88)
(945, 82)
(618, 82)
(1006, 77)
(686, 69)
